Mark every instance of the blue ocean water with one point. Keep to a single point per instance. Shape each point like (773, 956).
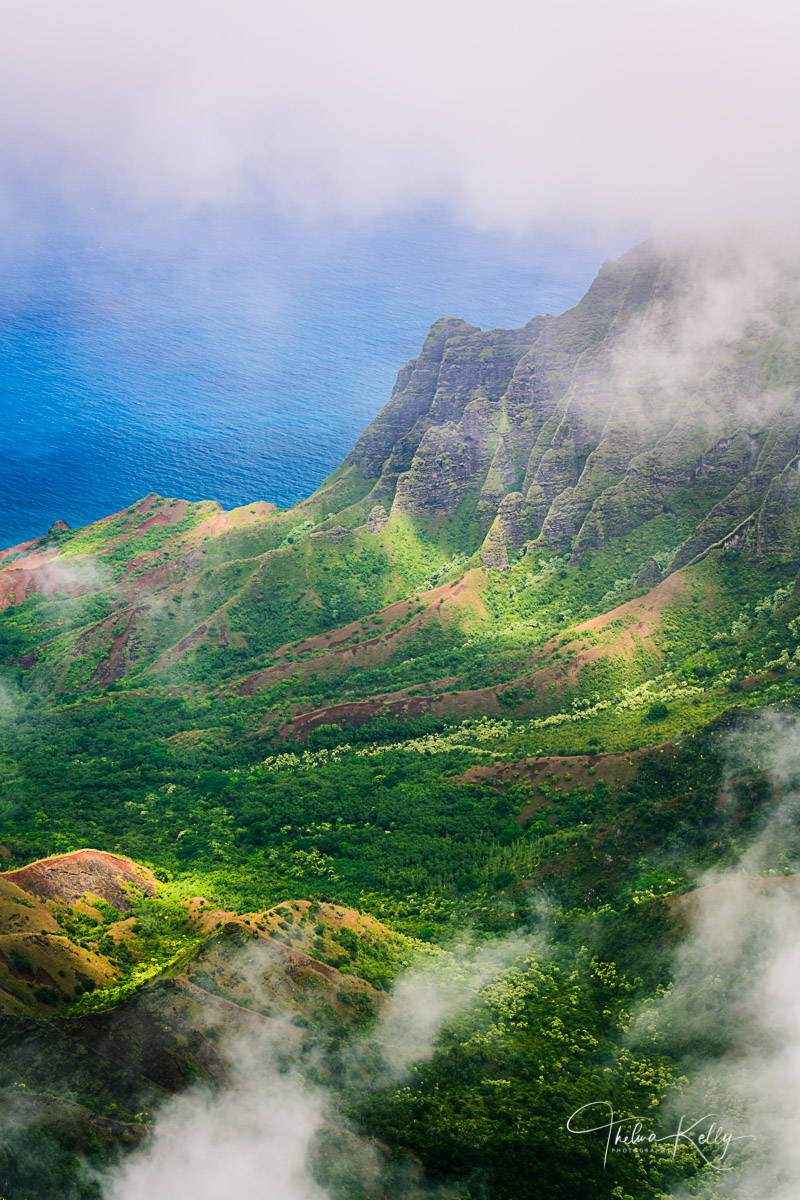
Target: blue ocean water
(229, 357)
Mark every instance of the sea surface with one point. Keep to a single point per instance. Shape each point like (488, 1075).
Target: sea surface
(229, 357)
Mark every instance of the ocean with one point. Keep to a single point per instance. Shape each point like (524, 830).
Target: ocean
(227, 356)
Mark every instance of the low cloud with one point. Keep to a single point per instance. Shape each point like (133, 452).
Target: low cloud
(732, 1011)
(70, 576)
(253, 1139)
(267, 1131)
(426, 999)
(700, 349)
(622, 113)
(12, 701)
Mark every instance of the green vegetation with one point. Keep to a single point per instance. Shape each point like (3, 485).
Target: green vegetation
(426, 819)
(481, 683)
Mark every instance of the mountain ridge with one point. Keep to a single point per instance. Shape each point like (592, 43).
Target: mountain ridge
(537, 421)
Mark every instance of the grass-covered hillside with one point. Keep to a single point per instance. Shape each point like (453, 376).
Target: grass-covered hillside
(264, 766)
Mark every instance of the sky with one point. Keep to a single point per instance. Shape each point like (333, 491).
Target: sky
(670, 114)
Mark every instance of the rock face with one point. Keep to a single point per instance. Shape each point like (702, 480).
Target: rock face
(510, 530)
(336, 534)
(675, 372)
(377, 519)
(387, 447)
(778, 530)
(650, 575)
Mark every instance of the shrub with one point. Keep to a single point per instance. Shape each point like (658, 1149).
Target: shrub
(657, 711)
(21, 962)
(467, 883)
(46, 995)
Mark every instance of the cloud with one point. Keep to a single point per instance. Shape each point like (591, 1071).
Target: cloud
(253, 1139)
(12, 701)
(71, 576)
(699, 349)
(268, 1131)
(426, 998)
(732, 1009)
(656, 115)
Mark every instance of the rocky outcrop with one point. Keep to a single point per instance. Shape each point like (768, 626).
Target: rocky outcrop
(377, 519)
(450, 462)
(675, 375)
(777, 538)
(650, 575)
(336, 534)
(513, 526)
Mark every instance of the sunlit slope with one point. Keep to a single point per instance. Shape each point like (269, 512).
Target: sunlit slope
(166, 583)
(480, 548)
(322, 628)
(82, 931)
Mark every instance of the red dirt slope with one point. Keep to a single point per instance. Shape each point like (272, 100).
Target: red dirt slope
(83, 872)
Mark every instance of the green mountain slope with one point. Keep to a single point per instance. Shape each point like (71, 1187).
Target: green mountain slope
(485, 679)
(622, 441)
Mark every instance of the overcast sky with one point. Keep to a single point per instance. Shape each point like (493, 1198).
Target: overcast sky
(654, 113)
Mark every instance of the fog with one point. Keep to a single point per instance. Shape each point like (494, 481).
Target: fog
(713, 314)
(268, 1131)
(254, 1139)
(658, 116)
(732, 1009)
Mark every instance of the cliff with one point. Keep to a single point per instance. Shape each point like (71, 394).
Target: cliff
(674, 372)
